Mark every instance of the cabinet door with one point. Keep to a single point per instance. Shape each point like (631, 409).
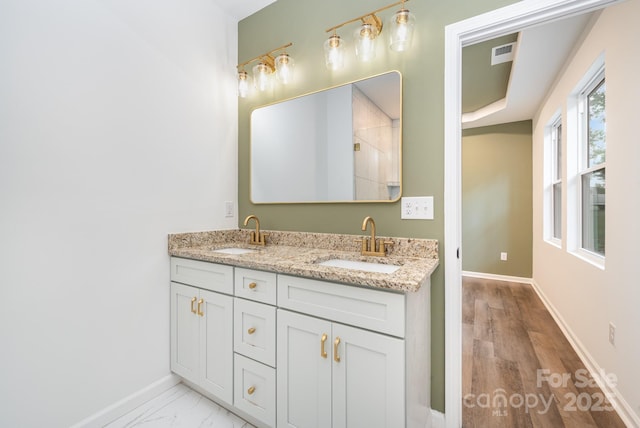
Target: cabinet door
(184, 331)
(304, 371)
(368, 379)
(216, 344)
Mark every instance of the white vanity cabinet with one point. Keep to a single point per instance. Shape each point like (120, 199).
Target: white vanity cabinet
(255, 344)
(335, 375)
(202, 339)
(286, 351)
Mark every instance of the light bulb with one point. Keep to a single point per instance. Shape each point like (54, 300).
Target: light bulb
(334, 52)
(284, 68)
(243, 84)
(401, 30)
(262, 76)
(365, 37)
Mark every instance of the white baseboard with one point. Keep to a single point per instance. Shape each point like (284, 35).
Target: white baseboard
(495, 277)
(622, 407)
(124, 406)
(437, 419)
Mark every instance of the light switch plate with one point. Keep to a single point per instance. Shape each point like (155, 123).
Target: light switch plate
(417, 208)
(228, 208)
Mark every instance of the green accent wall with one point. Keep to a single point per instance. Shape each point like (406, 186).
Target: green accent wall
(483, 83)
(304, 22)
(497, 199)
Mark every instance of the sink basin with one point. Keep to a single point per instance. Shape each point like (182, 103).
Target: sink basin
(234, 250)
(357, 265)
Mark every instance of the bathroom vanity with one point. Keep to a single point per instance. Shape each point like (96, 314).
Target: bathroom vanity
(304, 331)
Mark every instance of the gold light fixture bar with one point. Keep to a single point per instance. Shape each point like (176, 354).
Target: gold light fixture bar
(265, 57)
(365, 16)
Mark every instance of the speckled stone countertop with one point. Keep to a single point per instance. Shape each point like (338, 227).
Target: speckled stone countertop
(298, 253)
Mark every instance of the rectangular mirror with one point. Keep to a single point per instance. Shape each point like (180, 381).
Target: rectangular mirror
(343, 144)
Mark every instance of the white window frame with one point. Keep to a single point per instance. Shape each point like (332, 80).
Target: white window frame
(552, 178)
(577, 138)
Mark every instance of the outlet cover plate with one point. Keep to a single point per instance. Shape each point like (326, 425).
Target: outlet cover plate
(612, 334)
(417, 208)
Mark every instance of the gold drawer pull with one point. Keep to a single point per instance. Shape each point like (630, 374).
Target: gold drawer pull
(200, 302)
(251, 330)
(253, 285)
(336, 357)
(323, 353)
(251, 390)
(193, 300)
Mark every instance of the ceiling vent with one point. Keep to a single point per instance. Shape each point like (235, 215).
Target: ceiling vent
(503, 53)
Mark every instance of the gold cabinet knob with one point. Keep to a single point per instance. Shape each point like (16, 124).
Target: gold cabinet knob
(193, 300)
(251, 390)
(253, 285)
(251, 330)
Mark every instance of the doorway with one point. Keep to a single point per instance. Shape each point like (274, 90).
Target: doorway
(503, 21)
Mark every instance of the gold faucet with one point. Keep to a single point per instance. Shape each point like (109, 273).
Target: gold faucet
(257, 237)
(372, 246)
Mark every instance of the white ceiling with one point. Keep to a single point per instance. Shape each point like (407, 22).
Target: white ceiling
(541, 53)
(385, 92)
(240, 9)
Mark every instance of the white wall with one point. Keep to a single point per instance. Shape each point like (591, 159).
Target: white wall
(118, 126)
(587, 297)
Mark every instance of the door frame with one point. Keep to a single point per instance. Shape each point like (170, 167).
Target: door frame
(509, 19)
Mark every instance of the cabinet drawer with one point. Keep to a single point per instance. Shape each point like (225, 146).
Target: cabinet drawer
(255, 389)
(205, 275)
(255, 330)
(256, 285)
(363, 307)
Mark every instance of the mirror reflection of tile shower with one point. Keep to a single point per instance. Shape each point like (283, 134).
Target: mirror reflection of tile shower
(341, 144)
(376, 147)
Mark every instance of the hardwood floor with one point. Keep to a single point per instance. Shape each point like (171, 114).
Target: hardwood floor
(518, 369)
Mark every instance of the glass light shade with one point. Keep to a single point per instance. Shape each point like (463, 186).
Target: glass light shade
(401, 27)
(365, 38)
(284, 68)
(334, 52)
(262, 77)
(243, 84)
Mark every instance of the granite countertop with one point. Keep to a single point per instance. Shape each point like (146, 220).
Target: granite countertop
(298, 253)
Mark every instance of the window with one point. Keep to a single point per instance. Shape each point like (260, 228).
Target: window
(556, 179)
(553, 160)
(592, 165)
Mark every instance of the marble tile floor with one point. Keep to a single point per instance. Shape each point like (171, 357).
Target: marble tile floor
(179, 407)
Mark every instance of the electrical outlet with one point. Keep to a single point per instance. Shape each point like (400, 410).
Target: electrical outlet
(503, 256)
(228, 209)
(417, 208)
(612, 334)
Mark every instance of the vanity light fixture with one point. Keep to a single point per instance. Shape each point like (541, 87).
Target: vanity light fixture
(365, 38)
(282, 66)
(334, 52)
(401, 34)
(401, 23)
(243, 84)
